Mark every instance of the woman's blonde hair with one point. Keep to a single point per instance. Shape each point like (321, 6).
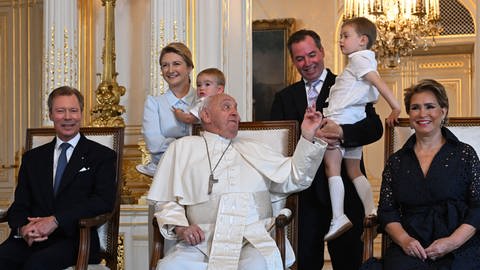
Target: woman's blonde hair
(180, 49)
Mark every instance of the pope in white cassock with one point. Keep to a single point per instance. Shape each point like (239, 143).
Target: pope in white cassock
(212, 193)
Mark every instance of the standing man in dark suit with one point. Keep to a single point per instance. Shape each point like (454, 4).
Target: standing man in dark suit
(59, 183)
(315, 209)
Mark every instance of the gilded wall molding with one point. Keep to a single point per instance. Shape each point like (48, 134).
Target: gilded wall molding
(136, 183)
(441, 65)
(4, 155)
(86, 56)
(121, 252)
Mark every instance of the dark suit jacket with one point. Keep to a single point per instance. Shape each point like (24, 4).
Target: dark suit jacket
(315, 207)
(87, 189)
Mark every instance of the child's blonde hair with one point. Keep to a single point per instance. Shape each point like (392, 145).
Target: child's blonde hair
(215, 72)
(363, 26)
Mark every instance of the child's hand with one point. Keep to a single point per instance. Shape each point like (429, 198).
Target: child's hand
(178, 113)
(393, 117)
(184, 117)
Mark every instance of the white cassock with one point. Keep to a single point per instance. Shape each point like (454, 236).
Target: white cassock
(236, 215)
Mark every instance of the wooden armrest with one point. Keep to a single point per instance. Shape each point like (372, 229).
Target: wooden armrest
(94, 221)
(286, 215)
(158, 244)
(84, 244)
(370, 225)
(3, 216)
(281, 221)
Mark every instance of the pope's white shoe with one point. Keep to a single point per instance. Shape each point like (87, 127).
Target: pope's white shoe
(338, 226)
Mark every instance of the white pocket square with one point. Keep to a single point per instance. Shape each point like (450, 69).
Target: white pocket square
(84, 169)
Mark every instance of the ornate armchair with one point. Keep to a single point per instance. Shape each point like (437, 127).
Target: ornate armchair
(279, 135)
(107, 224)
(467, 129)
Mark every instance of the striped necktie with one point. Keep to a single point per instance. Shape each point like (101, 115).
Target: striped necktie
(312, 93)
(61, 164)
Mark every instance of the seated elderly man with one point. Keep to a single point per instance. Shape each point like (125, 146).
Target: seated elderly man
(212, 192)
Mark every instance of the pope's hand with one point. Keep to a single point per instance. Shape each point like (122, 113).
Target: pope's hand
(191, 234)
(312, 120)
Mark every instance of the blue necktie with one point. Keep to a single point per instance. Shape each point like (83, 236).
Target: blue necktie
(312, 92)
(61, 164)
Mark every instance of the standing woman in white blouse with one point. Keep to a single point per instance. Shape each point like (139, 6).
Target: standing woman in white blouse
(160, 127)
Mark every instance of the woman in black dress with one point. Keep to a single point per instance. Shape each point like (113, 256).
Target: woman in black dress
(430, 196)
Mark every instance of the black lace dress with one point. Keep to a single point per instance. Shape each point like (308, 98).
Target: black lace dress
(432, 206)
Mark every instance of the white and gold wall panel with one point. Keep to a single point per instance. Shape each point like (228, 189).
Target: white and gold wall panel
(134, 228)
(20, 84)
(60, 48)
(169, 23)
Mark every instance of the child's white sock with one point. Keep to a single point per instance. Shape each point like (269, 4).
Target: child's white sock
(337, 194)
(364, 190)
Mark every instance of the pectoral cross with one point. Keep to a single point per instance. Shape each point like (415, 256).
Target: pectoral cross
(211, 181)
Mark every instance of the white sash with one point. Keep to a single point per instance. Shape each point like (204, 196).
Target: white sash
(237, 218)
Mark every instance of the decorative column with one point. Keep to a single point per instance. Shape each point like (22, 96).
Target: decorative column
(169, 23)
(60, 61)
(107, 111)
(170, 20)
(223, 39)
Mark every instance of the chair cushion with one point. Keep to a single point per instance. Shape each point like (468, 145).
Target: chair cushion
(103, 236)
